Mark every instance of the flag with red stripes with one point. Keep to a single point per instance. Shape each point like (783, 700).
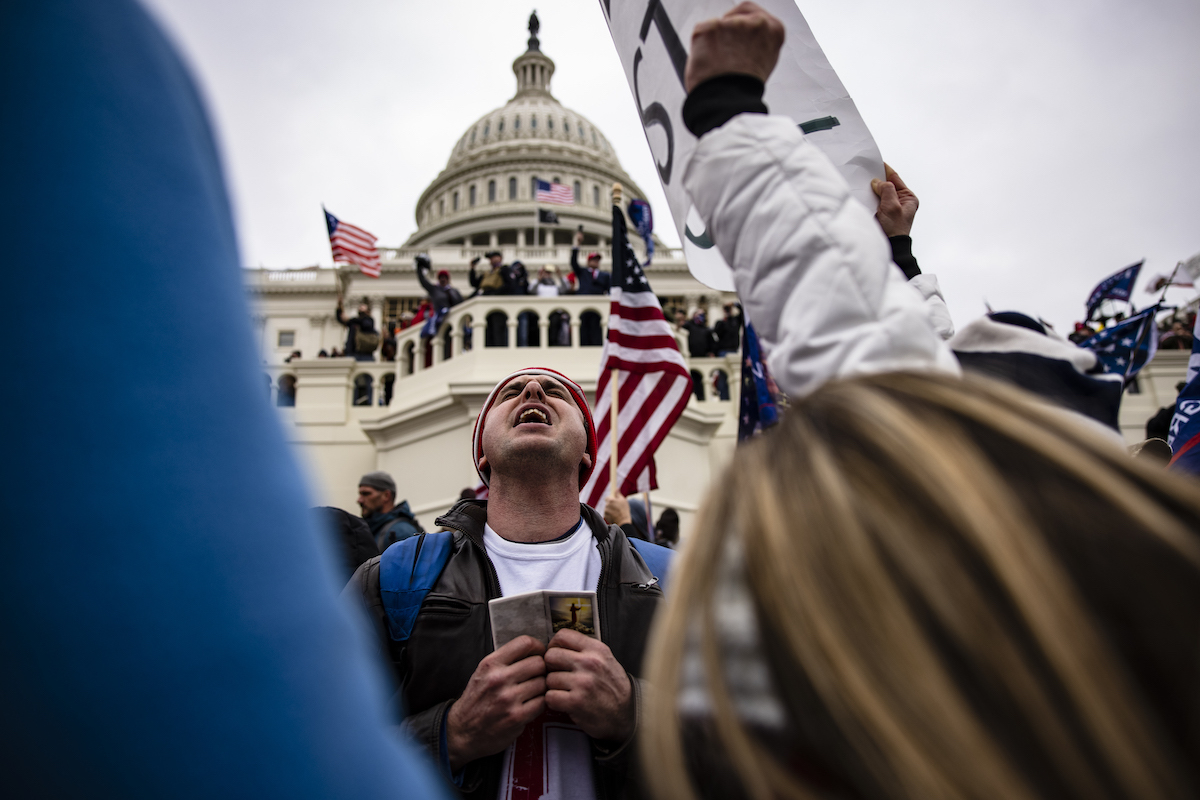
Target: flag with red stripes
(557, 193)
(652, 378)
(353, 245)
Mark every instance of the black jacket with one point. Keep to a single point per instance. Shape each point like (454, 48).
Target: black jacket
(700, 339)
(439, 297)
(452, 634)
(599, 283)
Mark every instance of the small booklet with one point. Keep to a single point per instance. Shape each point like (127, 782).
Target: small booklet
(542, 614)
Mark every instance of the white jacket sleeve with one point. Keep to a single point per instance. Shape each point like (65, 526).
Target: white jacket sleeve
(812, 267)
(935, 304)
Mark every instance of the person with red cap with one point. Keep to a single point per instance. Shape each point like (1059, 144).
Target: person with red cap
(525, 719)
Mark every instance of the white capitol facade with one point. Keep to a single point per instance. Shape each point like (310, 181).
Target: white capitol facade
(415, 420)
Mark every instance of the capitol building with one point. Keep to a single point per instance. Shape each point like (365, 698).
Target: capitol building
(413, 417)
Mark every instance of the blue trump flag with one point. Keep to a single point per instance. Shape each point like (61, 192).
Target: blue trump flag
(1125, 348)
(1184, 437)
(759, 407)
(643, 220)
(1114, 287)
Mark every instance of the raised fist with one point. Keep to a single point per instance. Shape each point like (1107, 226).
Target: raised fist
(746, 41)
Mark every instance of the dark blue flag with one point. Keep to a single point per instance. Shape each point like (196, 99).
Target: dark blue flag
(1184, 437)
(1114, 287)
(643, 220)
(1125, 348)
(759, 393)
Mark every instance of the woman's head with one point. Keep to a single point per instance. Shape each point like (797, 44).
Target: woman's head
(942, 570)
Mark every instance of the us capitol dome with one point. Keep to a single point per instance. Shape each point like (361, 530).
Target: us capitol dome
(485, 195)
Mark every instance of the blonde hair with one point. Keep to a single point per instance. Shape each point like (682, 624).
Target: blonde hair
(891, 520)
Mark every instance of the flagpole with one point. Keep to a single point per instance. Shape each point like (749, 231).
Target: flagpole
(614, 411)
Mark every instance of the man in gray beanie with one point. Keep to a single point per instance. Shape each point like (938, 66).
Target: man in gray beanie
(388, 521)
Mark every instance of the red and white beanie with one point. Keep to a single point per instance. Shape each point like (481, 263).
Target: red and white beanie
(576, 395)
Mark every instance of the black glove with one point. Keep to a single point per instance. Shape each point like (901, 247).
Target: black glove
(422, 261)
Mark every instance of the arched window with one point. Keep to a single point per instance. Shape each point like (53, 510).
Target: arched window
(454, 204)
(533, 187)
(491, 191)
(595, 141)
(496, 332)
(596, 196)
(487, 126)
(472, 136)
(500, 127)
(512, 188)
(471, 195)
(719, 379)
(550, 123)
(517, 122)
(566, 126)
(533, 122)
(468, 331)
(287, 391)
(441, 208)
(389, 383)
(558, 331)
(362, 390)
(578, 192)
(528, 333)
(581, 130)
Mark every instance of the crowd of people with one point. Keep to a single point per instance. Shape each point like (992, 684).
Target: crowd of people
(940, 575)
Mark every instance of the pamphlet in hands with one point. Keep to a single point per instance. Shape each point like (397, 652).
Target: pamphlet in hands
(542, 614)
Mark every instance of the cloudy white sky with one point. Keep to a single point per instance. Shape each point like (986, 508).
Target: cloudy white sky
(1050, 143)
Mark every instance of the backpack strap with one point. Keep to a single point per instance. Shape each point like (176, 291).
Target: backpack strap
(657, 558)
(407, 571)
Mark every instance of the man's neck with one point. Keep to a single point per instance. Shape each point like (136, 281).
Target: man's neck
(530, 512)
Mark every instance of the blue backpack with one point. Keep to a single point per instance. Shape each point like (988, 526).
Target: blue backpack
(409, 569)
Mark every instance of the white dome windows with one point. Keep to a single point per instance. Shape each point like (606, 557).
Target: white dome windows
(516, 123)
(596, 203)
(500, 127)
(487, 127)
(512, 188)
(579, 199)
(550, 126)
(581, 130)
(454, 204)
(442, 212)
(491, 191)
(472, 136)
(471, 195)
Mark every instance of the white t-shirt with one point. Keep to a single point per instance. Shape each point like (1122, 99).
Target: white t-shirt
(552, 758)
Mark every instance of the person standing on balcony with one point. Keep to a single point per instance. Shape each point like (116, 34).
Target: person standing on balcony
(498, 280)
(361, 336)
(441, 294)
(728, 331)
(592, 280)
(389, 522)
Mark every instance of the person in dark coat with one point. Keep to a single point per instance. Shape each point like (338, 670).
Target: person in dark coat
(364, 323)
(497, 280)
(441, 294)
(352, 535)
(700, 337)
(389, 521)
(728, 331)
(592, 280)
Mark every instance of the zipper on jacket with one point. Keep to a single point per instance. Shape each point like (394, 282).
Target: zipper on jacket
(494, 588)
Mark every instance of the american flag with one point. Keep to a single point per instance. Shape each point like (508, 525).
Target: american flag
(653, 379)
(555, 193)
(353, 245)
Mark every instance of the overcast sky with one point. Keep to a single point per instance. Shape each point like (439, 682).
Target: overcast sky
(1050, 143)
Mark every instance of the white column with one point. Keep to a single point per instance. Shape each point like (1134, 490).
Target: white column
(512, 331)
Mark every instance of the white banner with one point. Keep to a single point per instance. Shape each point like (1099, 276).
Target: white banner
(652, 39)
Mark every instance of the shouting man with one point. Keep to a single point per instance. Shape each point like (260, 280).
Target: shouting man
(524, 720)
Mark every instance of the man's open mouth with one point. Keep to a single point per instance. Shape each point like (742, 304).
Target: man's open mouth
(533, 415)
